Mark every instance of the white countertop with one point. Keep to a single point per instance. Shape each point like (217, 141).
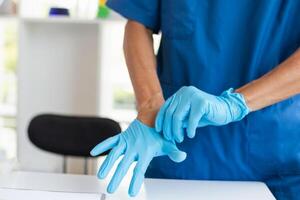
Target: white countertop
(156, 189)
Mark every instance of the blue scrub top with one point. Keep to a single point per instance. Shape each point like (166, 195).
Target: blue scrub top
(214, 45)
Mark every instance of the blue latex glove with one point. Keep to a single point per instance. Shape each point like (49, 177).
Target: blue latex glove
(190, 108)
(138, 143)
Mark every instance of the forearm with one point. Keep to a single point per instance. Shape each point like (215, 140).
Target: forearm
(279, 84)
(141, 64)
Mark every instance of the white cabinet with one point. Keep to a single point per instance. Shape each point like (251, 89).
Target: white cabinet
(68, 66)
(62, 66)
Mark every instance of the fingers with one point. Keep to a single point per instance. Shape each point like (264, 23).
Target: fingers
(195, 116)
(110, 160)
(167, 123)
(120, 172)
(105, 145)
(174, 153)
(178, 131)
(161, 114)
(139, 175)
(179, 116)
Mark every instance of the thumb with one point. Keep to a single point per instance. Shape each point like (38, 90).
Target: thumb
(174, 153)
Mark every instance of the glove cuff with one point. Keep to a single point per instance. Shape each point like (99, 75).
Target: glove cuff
(237, 103)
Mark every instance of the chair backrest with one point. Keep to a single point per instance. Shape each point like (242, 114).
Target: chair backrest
(70, 135)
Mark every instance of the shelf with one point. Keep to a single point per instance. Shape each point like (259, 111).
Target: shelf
(8, 17)
(114, 17)
(62, 20)
(68, 20)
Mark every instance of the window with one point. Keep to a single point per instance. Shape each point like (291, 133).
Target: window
(8, 87)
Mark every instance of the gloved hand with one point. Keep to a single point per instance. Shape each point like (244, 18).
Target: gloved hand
(138, 143)
(190, 108)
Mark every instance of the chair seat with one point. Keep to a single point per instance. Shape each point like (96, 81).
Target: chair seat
(70, 135)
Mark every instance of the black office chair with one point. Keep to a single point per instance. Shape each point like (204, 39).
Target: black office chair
(70, 135)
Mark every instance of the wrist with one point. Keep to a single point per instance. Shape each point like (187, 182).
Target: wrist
(148, 110)
(237, 104)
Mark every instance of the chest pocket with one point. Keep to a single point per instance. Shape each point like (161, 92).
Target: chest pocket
(178, 18)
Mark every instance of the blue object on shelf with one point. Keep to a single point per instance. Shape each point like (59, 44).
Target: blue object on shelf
(55, 11)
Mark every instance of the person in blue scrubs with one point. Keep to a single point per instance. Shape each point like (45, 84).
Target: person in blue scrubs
(220, 98)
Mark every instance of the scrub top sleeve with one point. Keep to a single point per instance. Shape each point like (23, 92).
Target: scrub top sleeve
(145, 12)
